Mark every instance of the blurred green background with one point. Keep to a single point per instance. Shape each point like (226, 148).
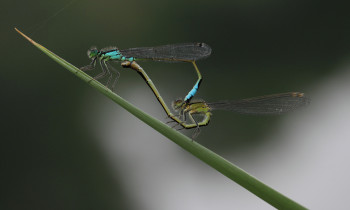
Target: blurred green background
(51, 121)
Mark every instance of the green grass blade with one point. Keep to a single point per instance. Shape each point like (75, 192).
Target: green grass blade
(231, 171)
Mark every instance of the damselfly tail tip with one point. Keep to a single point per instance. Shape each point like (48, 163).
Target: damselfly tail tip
(128, 64)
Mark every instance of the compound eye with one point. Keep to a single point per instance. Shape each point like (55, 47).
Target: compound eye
(177, 104)
(92, 52)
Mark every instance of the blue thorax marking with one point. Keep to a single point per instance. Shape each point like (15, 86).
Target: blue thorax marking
(113, 55)
(116, 55)
(192, 92)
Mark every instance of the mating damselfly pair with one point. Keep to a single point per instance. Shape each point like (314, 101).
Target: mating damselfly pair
(190, 53)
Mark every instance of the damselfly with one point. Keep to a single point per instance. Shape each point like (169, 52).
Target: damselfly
(263, 105)
(187, 52)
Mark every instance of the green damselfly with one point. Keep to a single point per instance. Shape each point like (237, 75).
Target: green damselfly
(263, 105)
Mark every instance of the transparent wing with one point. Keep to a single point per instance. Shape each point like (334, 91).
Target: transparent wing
(170, 53)
(269, 104)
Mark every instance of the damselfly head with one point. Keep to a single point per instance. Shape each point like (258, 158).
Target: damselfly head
(93, 52)
(177, 104)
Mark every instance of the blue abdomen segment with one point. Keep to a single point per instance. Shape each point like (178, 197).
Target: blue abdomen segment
(131, 59)
(192, 92)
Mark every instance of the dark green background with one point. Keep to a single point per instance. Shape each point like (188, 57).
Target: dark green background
(52, 160)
